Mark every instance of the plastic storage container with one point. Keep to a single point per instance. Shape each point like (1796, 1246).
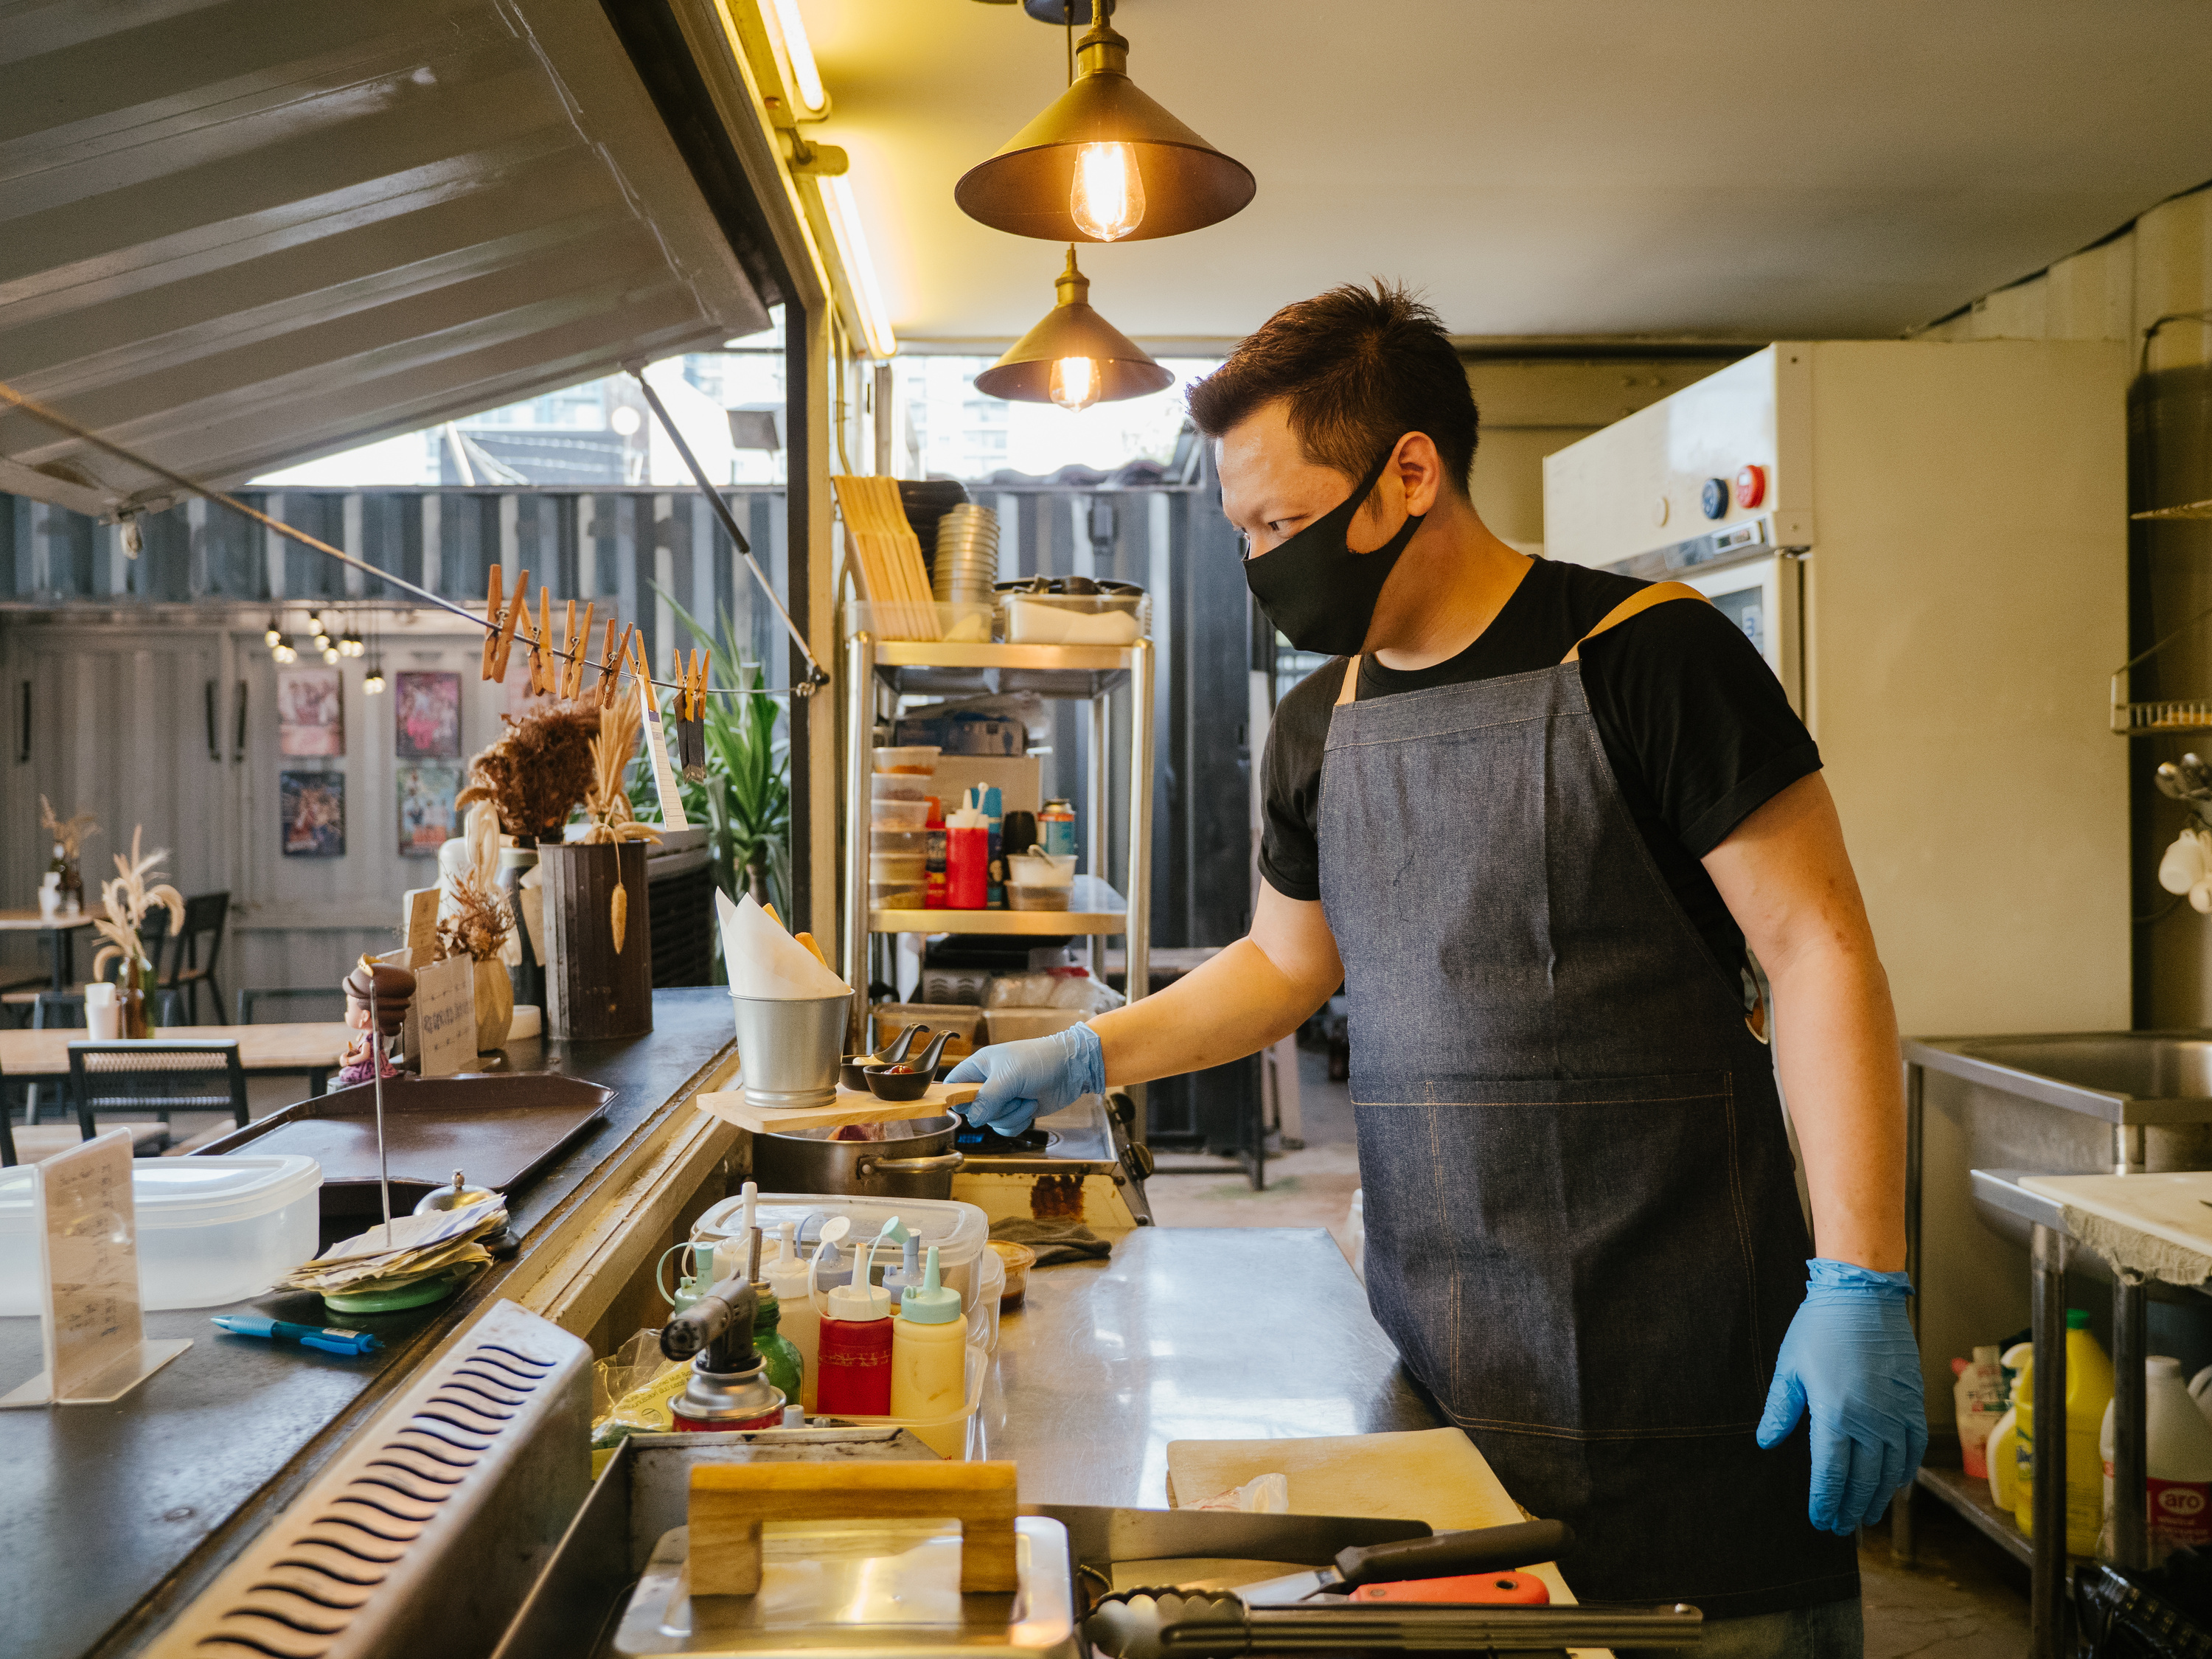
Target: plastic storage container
(897, 816)
(211, 1230)
(1037, 898)
(901, 786)
(1015, 1024)
(1075, 618)
(899, 895)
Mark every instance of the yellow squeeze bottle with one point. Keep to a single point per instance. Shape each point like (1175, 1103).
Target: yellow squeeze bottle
(929, 1350)
(2089, 1390)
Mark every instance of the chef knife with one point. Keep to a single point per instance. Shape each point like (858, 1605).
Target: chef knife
(1485, 1549)
(1100, 1534)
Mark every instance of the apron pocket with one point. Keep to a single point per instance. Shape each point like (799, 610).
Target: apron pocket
(1566, 1257)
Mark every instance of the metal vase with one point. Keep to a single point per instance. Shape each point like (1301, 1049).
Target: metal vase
(788, 1049)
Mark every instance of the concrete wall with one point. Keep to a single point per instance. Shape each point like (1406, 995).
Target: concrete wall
(2150, 287)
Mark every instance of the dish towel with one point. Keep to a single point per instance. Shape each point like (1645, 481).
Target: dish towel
(1053, 1241)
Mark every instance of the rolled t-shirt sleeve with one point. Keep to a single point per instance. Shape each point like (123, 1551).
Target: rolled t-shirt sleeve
(1709, 728)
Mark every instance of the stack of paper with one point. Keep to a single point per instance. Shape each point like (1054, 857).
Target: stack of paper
(416, 1247)
(764, 961)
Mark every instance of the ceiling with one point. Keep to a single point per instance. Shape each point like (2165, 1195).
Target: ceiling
(1733, 168)
(238, 232)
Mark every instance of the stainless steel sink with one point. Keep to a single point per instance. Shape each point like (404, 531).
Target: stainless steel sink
(2120, 1076)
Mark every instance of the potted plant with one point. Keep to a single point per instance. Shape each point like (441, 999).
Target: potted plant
(69, 835)
(599, 979)
(136, 892)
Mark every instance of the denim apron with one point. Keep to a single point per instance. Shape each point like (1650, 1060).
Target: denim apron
(1583, 1224)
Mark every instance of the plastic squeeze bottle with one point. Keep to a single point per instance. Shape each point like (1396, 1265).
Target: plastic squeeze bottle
(2089, 1391)
(853, 1377)
(797, 1322)
(929, 1350)
(967, 856)
(2177, 1461)
(1979, 1399)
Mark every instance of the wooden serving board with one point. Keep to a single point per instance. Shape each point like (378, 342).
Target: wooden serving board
(852, 1106)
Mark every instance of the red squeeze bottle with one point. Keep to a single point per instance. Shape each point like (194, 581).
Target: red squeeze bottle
(854, 1363)
(967, 857)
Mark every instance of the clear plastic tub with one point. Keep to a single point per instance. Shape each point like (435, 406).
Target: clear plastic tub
(902, 895)
(883, 843)
(211, 1230)
(899, 785)
(1017, 1024)
(1036, 898)
(1041, 869)
(916, 759)
(1075, 618)
(962, 1019)
(896, 816)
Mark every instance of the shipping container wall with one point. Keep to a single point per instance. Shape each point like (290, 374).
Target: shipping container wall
(2150, 286)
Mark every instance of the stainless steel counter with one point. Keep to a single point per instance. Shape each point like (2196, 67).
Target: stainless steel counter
(1187, 1333)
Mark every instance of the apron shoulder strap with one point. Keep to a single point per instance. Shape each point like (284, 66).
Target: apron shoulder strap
(1350, 693)
(1634, 605)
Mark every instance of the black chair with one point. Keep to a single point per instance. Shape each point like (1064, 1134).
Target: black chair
(251, 996)
(156, 1076)
(52, 1010)
(204, 915)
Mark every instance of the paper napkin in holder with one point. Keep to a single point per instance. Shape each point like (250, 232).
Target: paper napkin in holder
(764, 961)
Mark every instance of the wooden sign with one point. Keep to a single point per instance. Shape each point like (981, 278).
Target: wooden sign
(419, 918)
(445, 1014)
(95, 1339)
(656, 747)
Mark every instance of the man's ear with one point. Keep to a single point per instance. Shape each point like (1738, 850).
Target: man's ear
(1421, 472)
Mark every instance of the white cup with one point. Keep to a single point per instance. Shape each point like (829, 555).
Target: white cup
(103, 1014)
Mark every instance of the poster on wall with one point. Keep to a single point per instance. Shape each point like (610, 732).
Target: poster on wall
(426, 714)
(312, 805)
(310, 711)
(427, 789)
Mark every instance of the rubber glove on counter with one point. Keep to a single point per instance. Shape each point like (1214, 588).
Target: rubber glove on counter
(1850, 1364)
(1021, 1079)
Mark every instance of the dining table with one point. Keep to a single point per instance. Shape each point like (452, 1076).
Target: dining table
(59, 934)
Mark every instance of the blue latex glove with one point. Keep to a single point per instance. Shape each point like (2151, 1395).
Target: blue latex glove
(1021, 1079)
(1850, 1359)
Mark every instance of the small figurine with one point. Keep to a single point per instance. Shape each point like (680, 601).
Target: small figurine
(394, 990)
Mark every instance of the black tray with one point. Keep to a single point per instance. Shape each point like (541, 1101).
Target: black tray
(500, 1128)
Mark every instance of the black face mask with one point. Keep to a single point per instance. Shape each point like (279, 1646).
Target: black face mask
(1320, 593)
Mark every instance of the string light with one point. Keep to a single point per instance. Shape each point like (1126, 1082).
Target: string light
(274, 637)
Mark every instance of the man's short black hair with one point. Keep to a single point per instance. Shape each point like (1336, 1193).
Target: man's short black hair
(1360, 367)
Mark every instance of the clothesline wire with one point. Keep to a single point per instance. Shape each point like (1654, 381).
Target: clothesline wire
(38, 411)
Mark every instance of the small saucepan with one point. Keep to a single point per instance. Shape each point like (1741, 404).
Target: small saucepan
(909, 1080)
(915, 1159)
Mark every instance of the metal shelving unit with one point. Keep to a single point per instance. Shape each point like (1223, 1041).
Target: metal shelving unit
(1086, 673)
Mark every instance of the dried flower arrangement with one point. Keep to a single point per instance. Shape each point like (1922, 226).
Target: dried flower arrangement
(537, 771)
(72, 832)
(607, 804)
(136, 892)
(478, 925)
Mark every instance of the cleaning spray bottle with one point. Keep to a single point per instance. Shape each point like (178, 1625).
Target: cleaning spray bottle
(929, 1350)
(797, 1322)
(854, 1376)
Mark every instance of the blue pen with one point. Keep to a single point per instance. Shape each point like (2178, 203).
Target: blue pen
(327, 1338)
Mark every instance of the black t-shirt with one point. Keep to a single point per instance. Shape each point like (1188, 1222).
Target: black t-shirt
(1698, 729)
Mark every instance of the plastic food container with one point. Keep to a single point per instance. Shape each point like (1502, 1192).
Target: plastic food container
(1042, 870)
(1017, 1024)
(882, 843)
(959, 1231)
(211, 1230)
(898, 894)
(918, 759)
(893, 817)
(1075, 618)
(962, 1020)
(1018, 1260)
(902, 787)
(897, 869)
(1036, 898)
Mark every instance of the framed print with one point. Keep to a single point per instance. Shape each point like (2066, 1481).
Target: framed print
(427, 789)
(313, 805)
(310, 711)
(426, 716)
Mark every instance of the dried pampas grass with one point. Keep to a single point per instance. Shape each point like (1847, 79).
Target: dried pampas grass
(539, 771)
(136, 892)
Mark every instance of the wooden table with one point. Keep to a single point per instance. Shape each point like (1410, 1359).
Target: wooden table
(309, 1050)
(60, 932)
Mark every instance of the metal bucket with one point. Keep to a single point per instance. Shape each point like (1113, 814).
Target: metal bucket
(915, 1159)
(787, 1051)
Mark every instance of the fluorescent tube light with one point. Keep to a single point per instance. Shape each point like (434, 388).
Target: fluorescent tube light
(859, 267)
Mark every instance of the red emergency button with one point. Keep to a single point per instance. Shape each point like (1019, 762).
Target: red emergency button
(1751, 486)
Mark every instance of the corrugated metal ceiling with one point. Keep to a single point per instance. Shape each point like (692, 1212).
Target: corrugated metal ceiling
(235, 233)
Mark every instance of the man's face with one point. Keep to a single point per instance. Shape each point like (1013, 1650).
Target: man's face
(1270, 491)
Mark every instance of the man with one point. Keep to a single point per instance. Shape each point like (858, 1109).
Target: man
(1531, 821)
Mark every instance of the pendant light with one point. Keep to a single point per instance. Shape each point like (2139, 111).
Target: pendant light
(1104, 163)
(1074, 357)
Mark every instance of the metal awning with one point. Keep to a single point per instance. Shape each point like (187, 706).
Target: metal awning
(239, 234)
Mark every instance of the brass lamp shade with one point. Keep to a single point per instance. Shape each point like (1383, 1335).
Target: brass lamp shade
(1024, 189)
(1073, 329)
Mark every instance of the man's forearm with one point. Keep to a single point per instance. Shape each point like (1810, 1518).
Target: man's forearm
(1835, 1033)
(1233, 1005)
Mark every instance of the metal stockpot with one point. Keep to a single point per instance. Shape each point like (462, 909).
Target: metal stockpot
(915, 1159)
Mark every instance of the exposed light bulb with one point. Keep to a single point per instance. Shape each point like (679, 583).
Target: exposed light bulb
(285, 653)
(330, 651)
(1107, 200)
(372, 685)
(274, 637)
(351, 646)
(1074, 383)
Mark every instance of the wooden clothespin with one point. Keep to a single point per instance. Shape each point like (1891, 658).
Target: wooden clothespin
(610, 666)
(541, 679)
(496, 658)
(491, 622)
(695, 688)
(572, 676)
(644, 675)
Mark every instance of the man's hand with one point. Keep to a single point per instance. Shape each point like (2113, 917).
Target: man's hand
(1021, 1079)
(1850, 1361)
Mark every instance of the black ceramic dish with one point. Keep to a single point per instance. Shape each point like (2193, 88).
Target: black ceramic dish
(853, 1070)
(887, 1084)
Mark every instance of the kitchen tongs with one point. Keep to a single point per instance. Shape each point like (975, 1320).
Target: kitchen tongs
(1215, 1624)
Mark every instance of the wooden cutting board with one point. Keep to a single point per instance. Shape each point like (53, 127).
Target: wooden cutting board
(1435, 1475)
(852, 1106)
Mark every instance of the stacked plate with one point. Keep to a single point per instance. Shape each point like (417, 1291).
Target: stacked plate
(966, 567)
